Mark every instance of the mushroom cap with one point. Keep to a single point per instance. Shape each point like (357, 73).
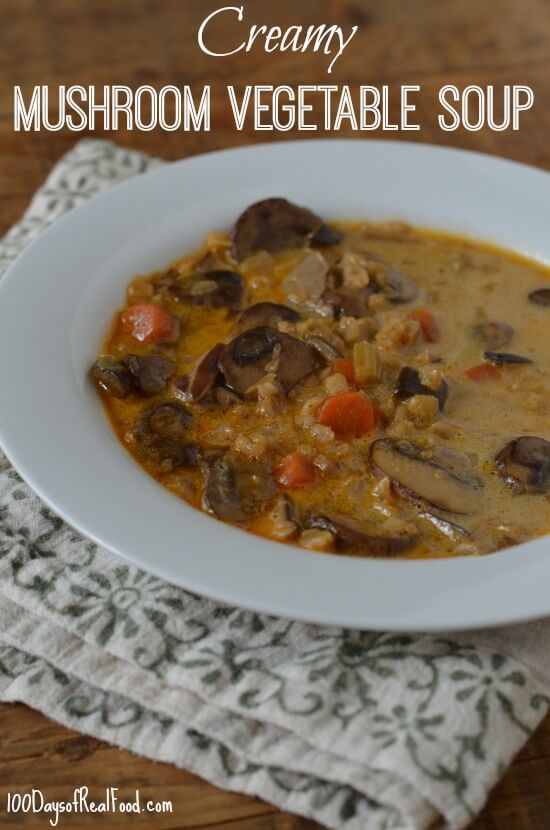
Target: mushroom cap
(264, 314)
(502, 358)
(421, 476)
(161, 434)
(204, 375)
(451, 530)
(113, 377)
(396, 287)
(350, 302)
(524, 463)
(325, 350)
(244, 360)
(273, 225)
(408, 383)
(494, 333)
(213, 289)
(541, 296)
(360, 535)
(353, 302)
(236, 491)
(149, 372)
(325, 236)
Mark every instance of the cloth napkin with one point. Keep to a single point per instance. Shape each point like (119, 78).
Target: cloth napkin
(358, 730)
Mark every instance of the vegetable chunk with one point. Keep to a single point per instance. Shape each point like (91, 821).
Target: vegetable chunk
(149, 323)
(294, 471)
(349, 414)
(428, 324)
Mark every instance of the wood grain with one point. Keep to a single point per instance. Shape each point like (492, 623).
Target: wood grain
(140, 41)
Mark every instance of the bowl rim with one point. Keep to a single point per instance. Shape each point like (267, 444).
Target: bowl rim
(500, 570)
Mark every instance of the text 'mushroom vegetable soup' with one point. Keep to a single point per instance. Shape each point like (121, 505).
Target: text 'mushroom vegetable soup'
(363, 388)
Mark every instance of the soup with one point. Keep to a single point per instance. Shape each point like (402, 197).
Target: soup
(366, 388)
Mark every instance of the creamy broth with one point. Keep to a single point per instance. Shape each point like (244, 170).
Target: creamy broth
(386, 423)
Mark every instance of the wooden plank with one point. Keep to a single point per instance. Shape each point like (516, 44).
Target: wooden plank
(37, 752)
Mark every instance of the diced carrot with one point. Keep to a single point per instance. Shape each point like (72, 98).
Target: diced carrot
(344, 366)
(428, 324)
(347, 414)
(294, 471)
(149, 323)
(483, 372)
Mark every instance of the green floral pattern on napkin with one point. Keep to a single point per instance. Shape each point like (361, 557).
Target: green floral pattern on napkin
(358, 730)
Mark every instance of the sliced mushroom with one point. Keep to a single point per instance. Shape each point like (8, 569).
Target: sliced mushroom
(348, 302)
(396, 287)
(541, 296)
(325, 350)
(169, 419)
(205, 374)
(244, 361)
(353, 302)
(325, 236)
(494, 333)
(273, 225)
(409, 383)
(213, 289)
(308, 279)
(524, 464)
(225, 397)
(236, 491)
(172, 282)
(361, 535)
(501, 358)
(113, 377)
(264, 314)
(418, 475)
(295, 361)
(449, 529)
(150, 372)
(161, 434)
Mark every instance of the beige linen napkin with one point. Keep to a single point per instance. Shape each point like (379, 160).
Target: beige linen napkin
(358, 730)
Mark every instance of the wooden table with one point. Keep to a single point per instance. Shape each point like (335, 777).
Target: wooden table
(430, 42)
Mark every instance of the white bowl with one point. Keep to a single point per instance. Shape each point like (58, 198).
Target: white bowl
(58, 298)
